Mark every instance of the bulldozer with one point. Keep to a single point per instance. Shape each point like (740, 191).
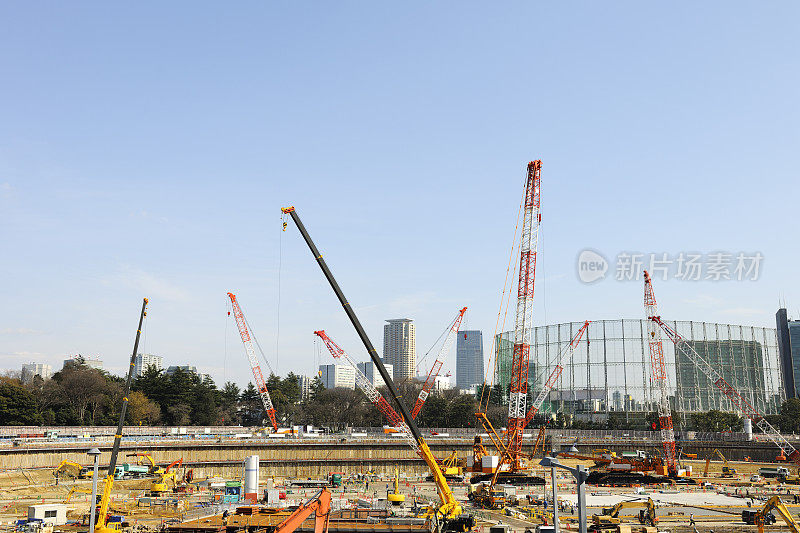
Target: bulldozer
(487, 496)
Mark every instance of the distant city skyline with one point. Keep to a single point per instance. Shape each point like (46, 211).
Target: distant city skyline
(401, 135)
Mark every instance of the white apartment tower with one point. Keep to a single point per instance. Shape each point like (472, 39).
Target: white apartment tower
(400, 347)
(144, 360)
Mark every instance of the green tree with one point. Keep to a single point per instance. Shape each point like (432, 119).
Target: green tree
(229, 404)
(17, 405)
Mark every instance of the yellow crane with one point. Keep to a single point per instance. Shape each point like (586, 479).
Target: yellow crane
(449, 516)
(102, 525)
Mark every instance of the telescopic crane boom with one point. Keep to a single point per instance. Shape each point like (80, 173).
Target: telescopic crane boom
(241, 323)
(102, 515)
(450, 510)
(437, 365)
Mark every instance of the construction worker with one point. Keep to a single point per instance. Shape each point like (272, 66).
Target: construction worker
(691, 519)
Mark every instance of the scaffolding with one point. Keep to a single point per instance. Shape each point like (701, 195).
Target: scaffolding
(611, 375)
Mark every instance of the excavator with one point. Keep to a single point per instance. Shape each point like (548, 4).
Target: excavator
(449, 516)
(161, 484)
(68, 468)
(154, 469)
(73, 490)
(609, 518)
(765, 516)
(727, 471)
(103, 525)
(319, 504)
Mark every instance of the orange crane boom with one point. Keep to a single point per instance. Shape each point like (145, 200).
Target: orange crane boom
(319, 504)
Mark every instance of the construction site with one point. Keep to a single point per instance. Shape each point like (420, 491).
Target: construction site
(402, 478)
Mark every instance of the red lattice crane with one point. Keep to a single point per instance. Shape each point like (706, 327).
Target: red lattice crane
(518, 393)
(659, 376)
(363, 383)
(787, 449)
(437, 364)
(251, 357)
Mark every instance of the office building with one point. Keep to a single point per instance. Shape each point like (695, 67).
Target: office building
(304, 383)
(789, 348)
(145, 360)
(334, 376)
(441, 383)
(469, 358)
(400, 347)
(31, 370)
(370, 371)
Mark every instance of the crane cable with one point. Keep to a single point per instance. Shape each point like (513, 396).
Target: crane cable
(514, 245)
(278, 311)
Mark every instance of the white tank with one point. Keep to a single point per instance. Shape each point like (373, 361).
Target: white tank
(251, 475)
(748, 428)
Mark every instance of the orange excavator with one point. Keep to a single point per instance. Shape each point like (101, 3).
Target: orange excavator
(319, 504)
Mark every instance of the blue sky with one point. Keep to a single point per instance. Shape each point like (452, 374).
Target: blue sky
(146, 150)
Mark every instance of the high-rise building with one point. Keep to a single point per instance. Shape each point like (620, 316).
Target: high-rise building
(185, 368)
(400, 347)
(145, 360)
(88, 361)
(789, 370)
(441, 383)
(304, 382)
(333, 376)
(371, 373)
(31, 370)
(469, 358)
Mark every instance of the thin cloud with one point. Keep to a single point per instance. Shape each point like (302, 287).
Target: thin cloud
(743, 311)
(20, 331)
(151, 285)
(703, 300)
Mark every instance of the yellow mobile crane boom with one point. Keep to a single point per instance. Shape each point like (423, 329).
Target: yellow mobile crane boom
(450, 511)
(102, 515)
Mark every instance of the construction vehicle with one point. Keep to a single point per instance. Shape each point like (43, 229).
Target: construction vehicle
(739, 403)
(765, 516)
(73, 490)
(395, 498)
(449, 515)
(255, 368)
(69, 469)
(487, 495)
(319, 505)
(103, 525)
(610, 519)
(727, 471)
(162, 484)
(146, 456)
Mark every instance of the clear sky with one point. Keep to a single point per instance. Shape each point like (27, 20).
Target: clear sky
(146, 150)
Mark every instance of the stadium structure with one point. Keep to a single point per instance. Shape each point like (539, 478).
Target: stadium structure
(611, 372)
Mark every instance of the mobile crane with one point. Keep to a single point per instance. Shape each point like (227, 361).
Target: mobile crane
(102, 525)
(449, 516)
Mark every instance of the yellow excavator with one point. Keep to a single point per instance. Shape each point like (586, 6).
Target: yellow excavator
(395, 497)
(727, 471)
(609, 518)
(765, 516)
(161, 484)
(73, 490)
(449, 516)
(69, 469)
(154, 469)
(102, 524)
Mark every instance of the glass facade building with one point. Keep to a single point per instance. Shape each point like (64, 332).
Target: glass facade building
(610, 368)
(469, 359)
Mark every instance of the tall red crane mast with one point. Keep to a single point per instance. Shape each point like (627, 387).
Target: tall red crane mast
(739, 401)
(659, 376)
(251, 357)
(518, 393)
(437, 365)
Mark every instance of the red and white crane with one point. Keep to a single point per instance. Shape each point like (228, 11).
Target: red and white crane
(518, 392)
(747, 409)
(366, 386)
(437, 364)
(563, 358)
(659, 375)
(251, 357)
